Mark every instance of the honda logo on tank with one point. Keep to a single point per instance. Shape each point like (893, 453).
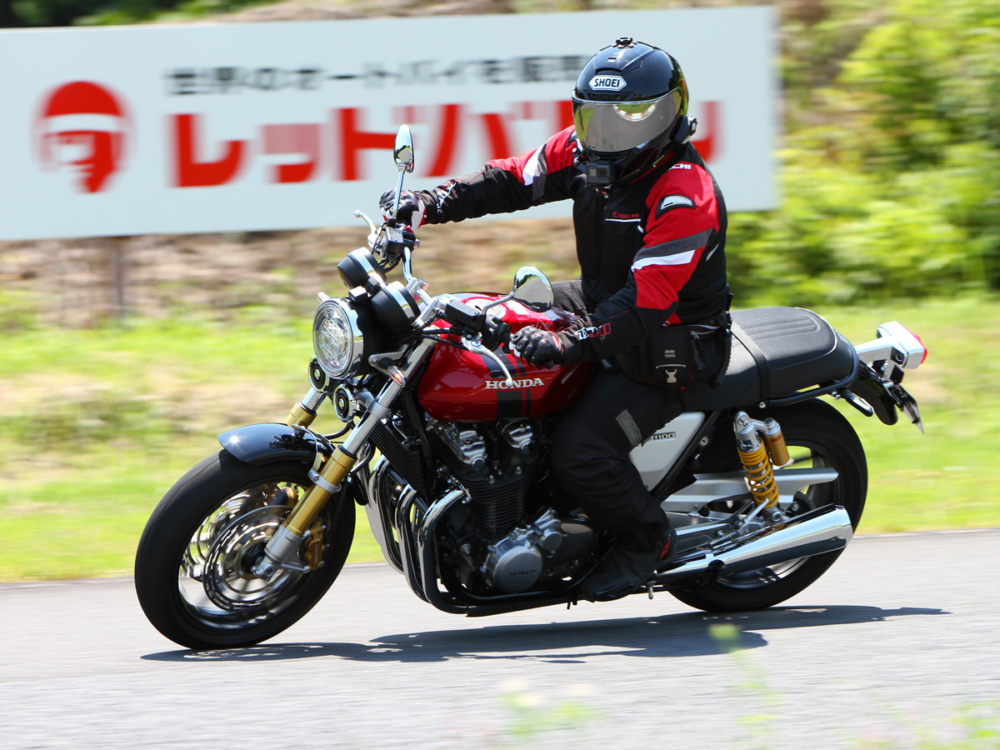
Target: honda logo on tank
(140, 130)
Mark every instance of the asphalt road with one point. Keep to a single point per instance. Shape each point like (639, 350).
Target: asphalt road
(898, 644)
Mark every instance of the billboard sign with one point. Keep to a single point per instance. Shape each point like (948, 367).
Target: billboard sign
(210, 128)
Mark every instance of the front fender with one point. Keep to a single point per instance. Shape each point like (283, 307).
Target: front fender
(263, 443)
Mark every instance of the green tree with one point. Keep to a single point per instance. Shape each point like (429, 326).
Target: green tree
(891, 174)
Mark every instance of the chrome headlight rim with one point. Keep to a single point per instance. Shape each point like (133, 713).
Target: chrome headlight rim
(355, 353)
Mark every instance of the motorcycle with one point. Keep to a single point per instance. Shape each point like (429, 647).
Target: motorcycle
(446, 441)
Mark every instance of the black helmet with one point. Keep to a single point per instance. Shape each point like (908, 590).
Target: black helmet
(630, 109)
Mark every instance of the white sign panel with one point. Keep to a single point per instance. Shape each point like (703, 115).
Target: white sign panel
(139, 130)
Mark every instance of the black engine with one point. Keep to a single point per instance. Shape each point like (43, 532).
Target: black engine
(507, 536)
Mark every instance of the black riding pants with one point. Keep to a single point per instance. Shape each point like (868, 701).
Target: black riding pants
(593, 442)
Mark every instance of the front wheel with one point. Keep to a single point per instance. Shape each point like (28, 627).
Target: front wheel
(192, 566)
(817, 436)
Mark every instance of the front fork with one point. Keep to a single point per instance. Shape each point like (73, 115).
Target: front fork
(282, 549)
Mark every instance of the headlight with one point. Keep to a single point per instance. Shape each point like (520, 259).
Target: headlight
(337, 339)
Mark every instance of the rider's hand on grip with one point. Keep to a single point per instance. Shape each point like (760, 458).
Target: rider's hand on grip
(412, 208)
(540, 348)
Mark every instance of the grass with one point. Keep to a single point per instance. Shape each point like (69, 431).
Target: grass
(939, 480)
(96, 425)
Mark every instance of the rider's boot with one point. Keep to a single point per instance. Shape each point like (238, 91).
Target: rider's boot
(628, 566)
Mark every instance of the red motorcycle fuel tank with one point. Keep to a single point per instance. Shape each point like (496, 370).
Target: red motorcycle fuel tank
(460, 386)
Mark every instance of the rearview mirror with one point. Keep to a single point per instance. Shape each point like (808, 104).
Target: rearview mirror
(532, 289)
(402, 152)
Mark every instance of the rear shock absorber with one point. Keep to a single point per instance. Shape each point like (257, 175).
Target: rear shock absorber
(759, 456)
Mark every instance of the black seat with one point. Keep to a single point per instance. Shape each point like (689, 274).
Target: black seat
(776, 352)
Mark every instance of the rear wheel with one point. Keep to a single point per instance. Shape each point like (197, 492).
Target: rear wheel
(193, 565)
(817, 436)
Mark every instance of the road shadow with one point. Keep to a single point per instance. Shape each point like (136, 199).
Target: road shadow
(669, 636)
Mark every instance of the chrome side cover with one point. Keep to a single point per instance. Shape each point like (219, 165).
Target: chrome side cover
(711, 487)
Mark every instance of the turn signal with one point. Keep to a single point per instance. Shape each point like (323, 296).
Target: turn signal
(397, 375)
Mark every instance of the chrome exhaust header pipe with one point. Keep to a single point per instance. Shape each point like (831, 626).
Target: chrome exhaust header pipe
(817, 532)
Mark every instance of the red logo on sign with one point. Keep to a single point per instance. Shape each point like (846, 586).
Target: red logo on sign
(83, 126)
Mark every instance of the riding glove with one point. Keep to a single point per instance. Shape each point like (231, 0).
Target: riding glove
(412, 207)
(540, 348)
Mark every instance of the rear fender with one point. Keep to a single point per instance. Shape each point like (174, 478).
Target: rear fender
(870, 387)
(264, 443)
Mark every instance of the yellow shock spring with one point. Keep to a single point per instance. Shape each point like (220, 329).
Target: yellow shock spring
(760, 475)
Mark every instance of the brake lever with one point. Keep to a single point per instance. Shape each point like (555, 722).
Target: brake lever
(373, 230)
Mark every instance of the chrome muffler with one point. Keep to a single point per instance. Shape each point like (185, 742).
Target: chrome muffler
(817, 532)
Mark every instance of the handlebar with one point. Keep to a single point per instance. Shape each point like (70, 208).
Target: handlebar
(391, 241)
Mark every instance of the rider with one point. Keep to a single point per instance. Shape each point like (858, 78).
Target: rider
(652, 298)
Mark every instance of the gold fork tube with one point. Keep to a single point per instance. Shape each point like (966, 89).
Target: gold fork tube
(326, 483)
(304, 412)
(299, 416)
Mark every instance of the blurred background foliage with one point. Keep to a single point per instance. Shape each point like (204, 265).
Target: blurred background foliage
(890, 165)
(891, 159)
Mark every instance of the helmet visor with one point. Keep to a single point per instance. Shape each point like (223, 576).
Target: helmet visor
(611, 127)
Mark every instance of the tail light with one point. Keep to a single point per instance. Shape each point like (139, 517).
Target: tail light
(897, 344)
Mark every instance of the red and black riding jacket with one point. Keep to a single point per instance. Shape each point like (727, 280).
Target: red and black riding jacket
(651, 251)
